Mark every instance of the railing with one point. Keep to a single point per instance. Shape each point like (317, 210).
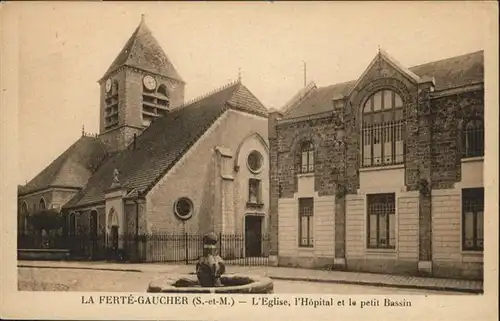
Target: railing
(183, 248)
(473, 142)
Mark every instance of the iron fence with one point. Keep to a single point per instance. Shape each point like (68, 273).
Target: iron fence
(185, 248)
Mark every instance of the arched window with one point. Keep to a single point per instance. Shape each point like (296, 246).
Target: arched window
(42, 205)
(23, 217)
(383, 129)
(24, 209)
(163, 100)
(307, 157)
(473, 138)
(72, 224)
(162, 90)
(115, 87)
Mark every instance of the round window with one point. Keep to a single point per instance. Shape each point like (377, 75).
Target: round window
(255, 161)
(183, 208)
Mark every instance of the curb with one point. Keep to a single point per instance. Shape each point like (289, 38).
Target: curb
(380, 284)
(284, 278)
(77, 268)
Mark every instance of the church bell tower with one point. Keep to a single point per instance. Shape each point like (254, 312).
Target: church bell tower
(140, 86)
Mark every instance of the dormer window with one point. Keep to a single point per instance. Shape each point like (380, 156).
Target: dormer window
(473, 138)
(383, 129)
(307, 157)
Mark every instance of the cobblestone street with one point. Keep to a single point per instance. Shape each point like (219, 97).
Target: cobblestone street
(121, 281)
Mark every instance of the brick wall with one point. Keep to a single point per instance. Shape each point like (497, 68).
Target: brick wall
(432, 153)
(328, 159)
(449, 113)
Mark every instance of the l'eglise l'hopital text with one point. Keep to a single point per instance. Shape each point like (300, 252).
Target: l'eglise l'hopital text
(328, 302)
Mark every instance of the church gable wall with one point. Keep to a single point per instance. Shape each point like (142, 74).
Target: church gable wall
(196, 176)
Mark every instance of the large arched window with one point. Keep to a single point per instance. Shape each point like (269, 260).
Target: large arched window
(473, 138)
(307, 157)
(383, 129)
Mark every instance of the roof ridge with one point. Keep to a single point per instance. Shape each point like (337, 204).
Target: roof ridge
(448, 58)
(208, 94)
(251, 93)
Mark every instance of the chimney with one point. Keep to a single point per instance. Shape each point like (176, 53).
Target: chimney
(274, 116)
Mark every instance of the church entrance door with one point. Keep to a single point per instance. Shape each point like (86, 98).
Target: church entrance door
(253, 235)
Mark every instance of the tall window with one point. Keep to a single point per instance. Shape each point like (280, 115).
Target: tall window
(473, 218)
(254, 191)
(473, 138)
(383, 129)
(72, 224)
(307, 157)
(381, 221)
(42, 204)
(94, 223)
(23, 219)
(306, 215)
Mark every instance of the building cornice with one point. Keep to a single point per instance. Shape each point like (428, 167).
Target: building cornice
(139, 70)
(457, 90)
(48, 188)
(321, 115)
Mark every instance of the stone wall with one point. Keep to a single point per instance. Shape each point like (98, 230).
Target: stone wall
(196, 176)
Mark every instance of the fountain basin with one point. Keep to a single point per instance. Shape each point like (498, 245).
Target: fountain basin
(231, 283)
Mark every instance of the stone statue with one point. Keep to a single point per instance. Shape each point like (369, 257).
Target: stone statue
(115, 176)
(210, 266)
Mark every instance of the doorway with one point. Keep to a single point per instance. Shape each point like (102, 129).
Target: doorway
(253, 235)
(113, 243)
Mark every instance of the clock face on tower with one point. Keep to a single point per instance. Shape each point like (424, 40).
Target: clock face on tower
(108, 85)
(149, 83)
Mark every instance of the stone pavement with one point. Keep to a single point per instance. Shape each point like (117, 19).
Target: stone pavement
(280, 273)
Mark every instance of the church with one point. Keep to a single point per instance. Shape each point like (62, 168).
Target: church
(160, 164)
(383, 173)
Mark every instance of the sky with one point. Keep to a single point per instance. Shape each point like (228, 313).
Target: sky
(64, 48)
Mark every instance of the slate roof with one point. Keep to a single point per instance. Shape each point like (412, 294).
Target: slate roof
(71, 169)
(454, 72)
(448, 73)
(319, 100)
(143, 51)
(164, 142)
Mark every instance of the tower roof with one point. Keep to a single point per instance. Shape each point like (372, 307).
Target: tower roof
(143, 51)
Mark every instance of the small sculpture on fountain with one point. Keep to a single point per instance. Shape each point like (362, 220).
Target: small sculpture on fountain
(210, 266)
